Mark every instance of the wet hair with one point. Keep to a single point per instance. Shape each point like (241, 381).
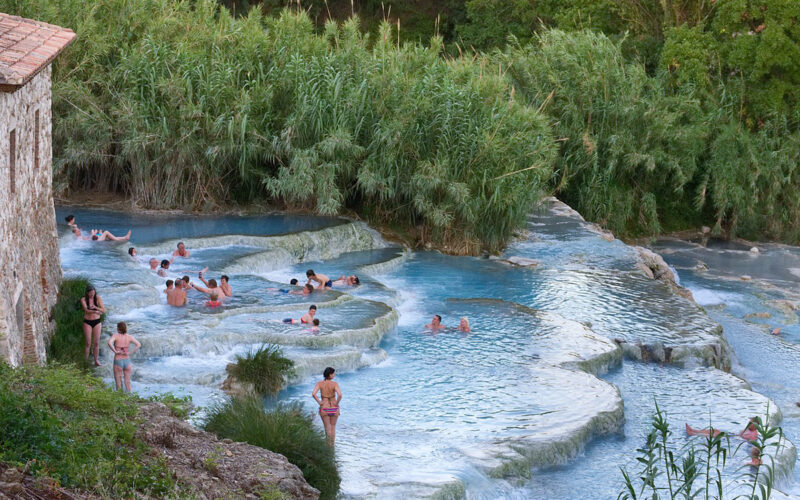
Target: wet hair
(179, 244)
(438, 317)
(89, 288)
(310, 272)
(130, 251)
(312, 307)
(69, 218)
(309, 287)
(95, 237)
(170, 283)
(293, 281)
(356, 280)
(212, 283)
(165, 263)
(328, 372)
(214, 296)
(316, 321)
(186, 279)
(224, 277)
(465, 320)
(122, 327)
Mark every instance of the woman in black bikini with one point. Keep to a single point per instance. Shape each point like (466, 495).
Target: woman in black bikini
(330, 395)
(92, 324)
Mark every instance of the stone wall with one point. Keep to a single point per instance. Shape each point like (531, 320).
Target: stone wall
(30, 267)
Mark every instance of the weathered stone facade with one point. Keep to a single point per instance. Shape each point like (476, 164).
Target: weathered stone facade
(30, 267)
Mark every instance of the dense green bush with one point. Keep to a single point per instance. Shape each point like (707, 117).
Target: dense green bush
(266, 368)
(287, 429)
(69, 426)
(181, 105)
(628, 148)
(67, 343)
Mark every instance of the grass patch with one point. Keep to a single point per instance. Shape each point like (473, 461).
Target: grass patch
(67, 425)
(288, 430)
(67, 343)
(266, 368)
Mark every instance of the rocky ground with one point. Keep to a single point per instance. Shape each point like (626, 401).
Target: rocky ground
(208, 468)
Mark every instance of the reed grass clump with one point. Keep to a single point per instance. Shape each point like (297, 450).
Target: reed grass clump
(697, 469)
(181, 104)
(287, 429)
(266, 368)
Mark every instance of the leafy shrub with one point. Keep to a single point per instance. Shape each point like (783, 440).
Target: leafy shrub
(69, 426)
(181, 104)
(287, 429)
(67, 342)
(628, 149)
(266, 369)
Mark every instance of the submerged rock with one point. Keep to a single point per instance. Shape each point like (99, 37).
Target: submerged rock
(218, 468)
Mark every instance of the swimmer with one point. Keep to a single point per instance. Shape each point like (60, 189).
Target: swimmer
(351, 280)
(181, 251)
(306, 290)
(322, 280)
(169, 286)
(212, 288)
(315, 328)
(162, 271)
(176, 297)
(71, 220)
(153, 264)
(213, 302)
(330, 396)
(776, 331)
(293, 281)
(227, 291)
(100, 235)
(309, 316)
(436, 323)
(463, 325)
(120, 343)
(132, 252)
(750, 432)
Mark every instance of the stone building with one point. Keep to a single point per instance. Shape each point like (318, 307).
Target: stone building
(30, 267)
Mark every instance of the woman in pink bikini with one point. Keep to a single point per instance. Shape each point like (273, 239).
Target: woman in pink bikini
(330, 395)
(120, 344)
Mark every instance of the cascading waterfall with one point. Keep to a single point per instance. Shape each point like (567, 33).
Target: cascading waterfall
(549, 374)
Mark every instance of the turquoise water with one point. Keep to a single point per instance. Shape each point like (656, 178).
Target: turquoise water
(537, 393)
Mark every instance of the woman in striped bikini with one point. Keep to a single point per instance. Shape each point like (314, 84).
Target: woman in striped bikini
(330, 395)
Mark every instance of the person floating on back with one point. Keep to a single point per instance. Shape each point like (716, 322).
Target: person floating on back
(322, 280)
(351, 280)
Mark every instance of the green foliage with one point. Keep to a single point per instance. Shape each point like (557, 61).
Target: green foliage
(265, 368)
(696, 470)
(178, 103)
(687, 57)
(628, 149)
(180, 406)
(759, 43)
(67, 343)
(288, 430)
(69, 426)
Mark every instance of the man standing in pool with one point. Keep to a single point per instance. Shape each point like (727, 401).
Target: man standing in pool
(322, 280)
(177, 296)
(181, 251)
(436, 323)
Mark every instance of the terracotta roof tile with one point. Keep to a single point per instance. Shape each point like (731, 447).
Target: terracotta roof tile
(26, 47)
